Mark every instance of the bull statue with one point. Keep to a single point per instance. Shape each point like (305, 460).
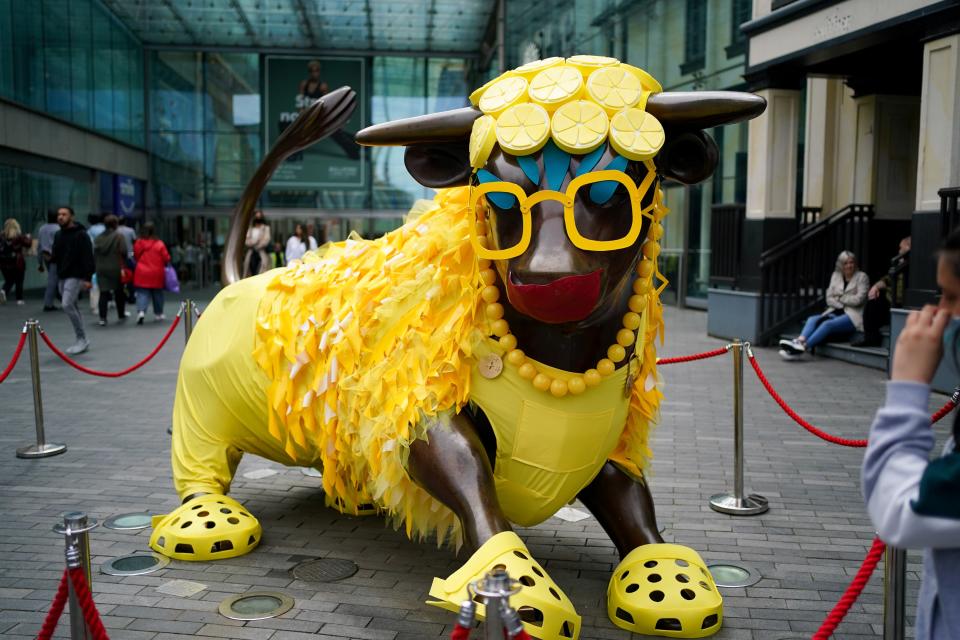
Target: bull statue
(483, 365)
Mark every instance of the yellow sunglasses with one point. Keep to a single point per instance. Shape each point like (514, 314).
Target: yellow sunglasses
(567, 198)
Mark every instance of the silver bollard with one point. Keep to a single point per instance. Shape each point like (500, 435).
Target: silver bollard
(496, 588)
(737, 503)
(42, 449)
(188, 310)
(74, 528)
(894, 592)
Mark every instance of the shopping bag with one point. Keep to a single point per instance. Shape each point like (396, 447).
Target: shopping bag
(170, 283)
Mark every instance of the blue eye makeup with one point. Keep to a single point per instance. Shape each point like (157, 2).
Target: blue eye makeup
(499, 200)
(601, 192)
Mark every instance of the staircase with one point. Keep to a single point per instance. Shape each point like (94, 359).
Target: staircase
(795, 273)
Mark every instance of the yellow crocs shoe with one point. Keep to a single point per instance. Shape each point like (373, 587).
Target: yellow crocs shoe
(546, 611)
(209, 527)
(664, 590)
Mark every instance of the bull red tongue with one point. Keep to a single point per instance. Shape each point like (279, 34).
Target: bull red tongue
(566, 299)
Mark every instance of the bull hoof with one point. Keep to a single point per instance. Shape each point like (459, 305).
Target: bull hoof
(664, 590)
(546, 611)
(209, 527)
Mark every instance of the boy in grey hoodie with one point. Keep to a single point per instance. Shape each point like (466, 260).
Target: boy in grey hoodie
(914, 502)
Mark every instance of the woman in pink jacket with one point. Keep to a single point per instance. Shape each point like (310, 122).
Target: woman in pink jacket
(148, 276)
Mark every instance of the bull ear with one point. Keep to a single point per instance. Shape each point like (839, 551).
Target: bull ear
(439, 164)
(688, 157)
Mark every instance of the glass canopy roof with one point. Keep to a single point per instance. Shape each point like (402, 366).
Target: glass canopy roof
(348, 25)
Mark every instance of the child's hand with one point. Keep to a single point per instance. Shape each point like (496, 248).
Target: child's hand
(919, 347)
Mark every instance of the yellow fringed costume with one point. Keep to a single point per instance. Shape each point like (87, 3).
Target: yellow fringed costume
(361, 349)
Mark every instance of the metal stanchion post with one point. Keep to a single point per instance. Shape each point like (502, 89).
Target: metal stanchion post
(74, 528)
(187, 320)
(42, 449)
(738, 504)
(894, 591)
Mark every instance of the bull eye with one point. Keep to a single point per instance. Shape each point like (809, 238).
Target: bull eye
(602, 192)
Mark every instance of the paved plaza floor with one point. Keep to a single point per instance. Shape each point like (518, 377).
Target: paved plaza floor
(807, 547)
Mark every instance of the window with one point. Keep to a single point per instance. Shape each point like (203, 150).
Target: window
(740, 11)
(695, 37)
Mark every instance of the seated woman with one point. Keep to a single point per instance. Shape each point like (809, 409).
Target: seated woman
(846, 297)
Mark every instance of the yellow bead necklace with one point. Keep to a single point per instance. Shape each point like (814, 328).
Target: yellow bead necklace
(626, 336)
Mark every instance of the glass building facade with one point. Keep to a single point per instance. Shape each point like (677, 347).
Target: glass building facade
(73, 60)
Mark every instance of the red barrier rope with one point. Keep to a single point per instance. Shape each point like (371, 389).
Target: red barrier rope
(460, 633)
(90, 614)
(846, 442)
(112, 374)
(839, 611)
(16, 355)
(56, 610)
(695, 356)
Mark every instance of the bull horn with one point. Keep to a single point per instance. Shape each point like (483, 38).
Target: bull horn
(444, 126)
(682, 109)
(704, 109)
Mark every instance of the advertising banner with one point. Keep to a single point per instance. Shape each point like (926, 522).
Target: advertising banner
(294, 83)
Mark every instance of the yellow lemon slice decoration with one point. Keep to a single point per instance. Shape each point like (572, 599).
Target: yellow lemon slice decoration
(589, 64)
(482, 138)
(614, 88)
(523, 129)
(648, 81)
(475, 96)
(554, 86)
(636, 134)
(502, 94)
(533, 68)
(579, 127)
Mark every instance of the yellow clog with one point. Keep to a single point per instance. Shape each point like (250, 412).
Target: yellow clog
(664, 590)
(546, 611)
(209, 527)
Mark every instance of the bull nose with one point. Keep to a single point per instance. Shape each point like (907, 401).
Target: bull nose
(551, 255)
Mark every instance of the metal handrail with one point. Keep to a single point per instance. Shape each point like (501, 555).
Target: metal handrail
(807, 233)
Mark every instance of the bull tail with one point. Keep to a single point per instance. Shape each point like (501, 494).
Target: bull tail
(319, 120)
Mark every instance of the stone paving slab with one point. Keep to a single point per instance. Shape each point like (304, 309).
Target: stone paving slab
(807, 547)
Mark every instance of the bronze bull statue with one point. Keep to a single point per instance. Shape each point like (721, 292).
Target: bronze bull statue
(488, 362)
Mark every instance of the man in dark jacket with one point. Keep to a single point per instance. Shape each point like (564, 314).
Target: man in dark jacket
(73, 255)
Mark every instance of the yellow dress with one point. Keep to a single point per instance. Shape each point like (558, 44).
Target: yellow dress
(343, 360)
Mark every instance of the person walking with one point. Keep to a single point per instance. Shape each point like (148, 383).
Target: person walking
(13, 247)
(911, 495)
(258, 239)
(298, 244)
(148, 276)
(110, 253)
(126, 230)
(73, 255)
(45, 238)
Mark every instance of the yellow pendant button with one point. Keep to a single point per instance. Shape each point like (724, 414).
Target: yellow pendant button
(589, 64)
(482, 138)
(614, 89)
(533, 68)
(523, 129)
(579, 127)
(554, 86)
(636, 134)
(648, 81)
(503, 94)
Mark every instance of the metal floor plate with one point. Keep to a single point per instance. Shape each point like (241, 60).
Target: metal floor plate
(324, 570)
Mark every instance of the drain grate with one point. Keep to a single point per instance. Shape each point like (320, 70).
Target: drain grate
(129, 521)
(256, 605)
(136, 564)
(732, 575)
(324, 570)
